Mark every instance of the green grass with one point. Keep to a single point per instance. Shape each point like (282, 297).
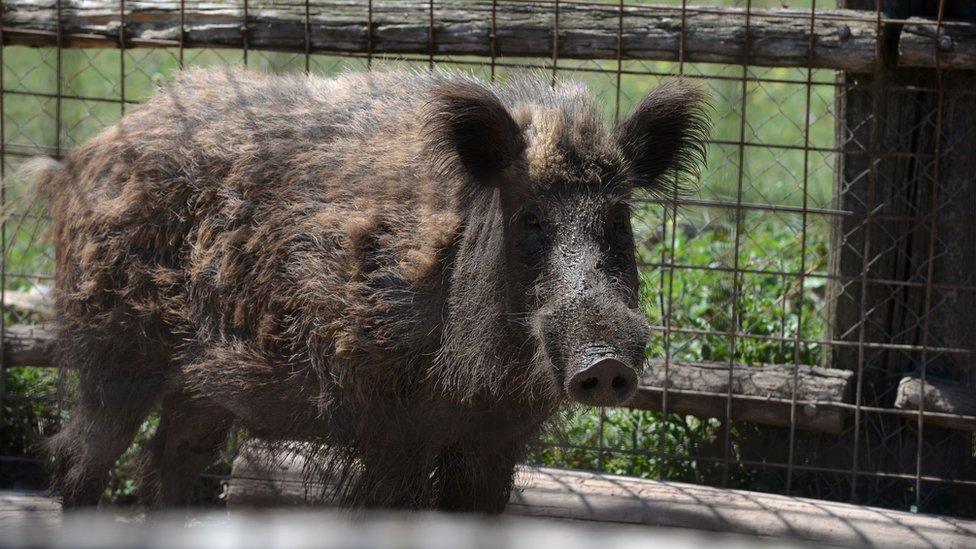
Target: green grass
(771, 118)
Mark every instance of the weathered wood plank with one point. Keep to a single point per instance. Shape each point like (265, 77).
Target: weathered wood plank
(941, 397)
(764, 380)
(956, 44)
(760, 394)
(38, 304)
(843, 39)
(26, 509)
(559, 494)
(28, 345)
(771, 385)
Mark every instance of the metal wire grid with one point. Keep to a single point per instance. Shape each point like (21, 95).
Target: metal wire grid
(101, 108)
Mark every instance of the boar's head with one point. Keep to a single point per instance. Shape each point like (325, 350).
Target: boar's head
(550, 190)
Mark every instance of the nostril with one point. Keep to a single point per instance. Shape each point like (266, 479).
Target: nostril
(589, 384)
(603, 381)
(619, 383)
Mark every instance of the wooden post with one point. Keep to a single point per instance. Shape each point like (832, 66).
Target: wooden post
(908, 150)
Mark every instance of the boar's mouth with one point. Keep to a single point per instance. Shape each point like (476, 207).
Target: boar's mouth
(601, 376)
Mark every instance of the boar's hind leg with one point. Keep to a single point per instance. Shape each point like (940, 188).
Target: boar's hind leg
(102, 424)
(190, 436)
(476, 478)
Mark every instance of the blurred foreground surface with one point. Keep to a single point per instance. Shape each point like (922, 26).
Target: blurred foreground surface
(549, 508)
(299, 529)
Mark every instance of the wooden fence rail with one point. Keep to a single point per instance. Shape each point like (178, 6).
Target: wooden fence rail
(761, 394)
(842, 39)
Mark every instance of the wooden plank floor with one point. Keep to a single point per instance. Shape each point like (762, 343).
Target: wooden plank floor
(300, 529)
(21, 509)
(260, 479)
(586, 502)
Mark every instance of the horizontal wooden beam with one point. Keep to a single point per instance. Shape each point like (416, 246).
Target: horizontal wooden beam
(842, 39)
(260, 480)
(762, 394)
(759, 394)
(953, 47)
(947, 404)
(33, 304)
(28, 345)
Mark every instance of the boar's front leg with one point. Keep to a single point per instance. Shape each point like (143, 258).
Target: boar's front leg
(477, 477)
(395, 476)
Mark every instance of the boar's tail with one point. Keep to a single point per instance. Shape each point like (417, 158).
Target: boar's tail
(30, 182)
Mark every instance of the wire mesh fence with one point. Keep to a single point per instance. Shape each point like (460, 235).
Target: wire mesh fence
(812, 306)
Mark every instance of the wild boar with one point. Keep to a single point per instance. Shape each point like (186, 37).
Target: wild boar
(415, 269)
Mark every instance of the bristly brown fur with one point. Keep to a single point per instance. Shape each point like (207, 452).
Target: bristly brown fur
(339, 262)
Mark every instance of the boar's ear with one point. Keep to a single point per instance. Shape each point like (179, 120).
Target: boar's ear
(470, 131)
(666, 136)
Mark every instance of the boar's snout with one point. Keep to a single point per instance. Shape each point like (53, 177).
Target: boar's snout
(590, 328)
(604, 378)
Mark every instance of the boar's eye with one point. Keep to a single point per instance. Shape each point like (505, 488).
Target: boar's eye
(531, 221)
(620, 223)
(532, 239)
(618, 235)
(619, 226)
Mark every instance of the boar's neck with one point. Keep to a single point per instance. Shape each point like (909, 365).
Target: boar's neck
(483, 351)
